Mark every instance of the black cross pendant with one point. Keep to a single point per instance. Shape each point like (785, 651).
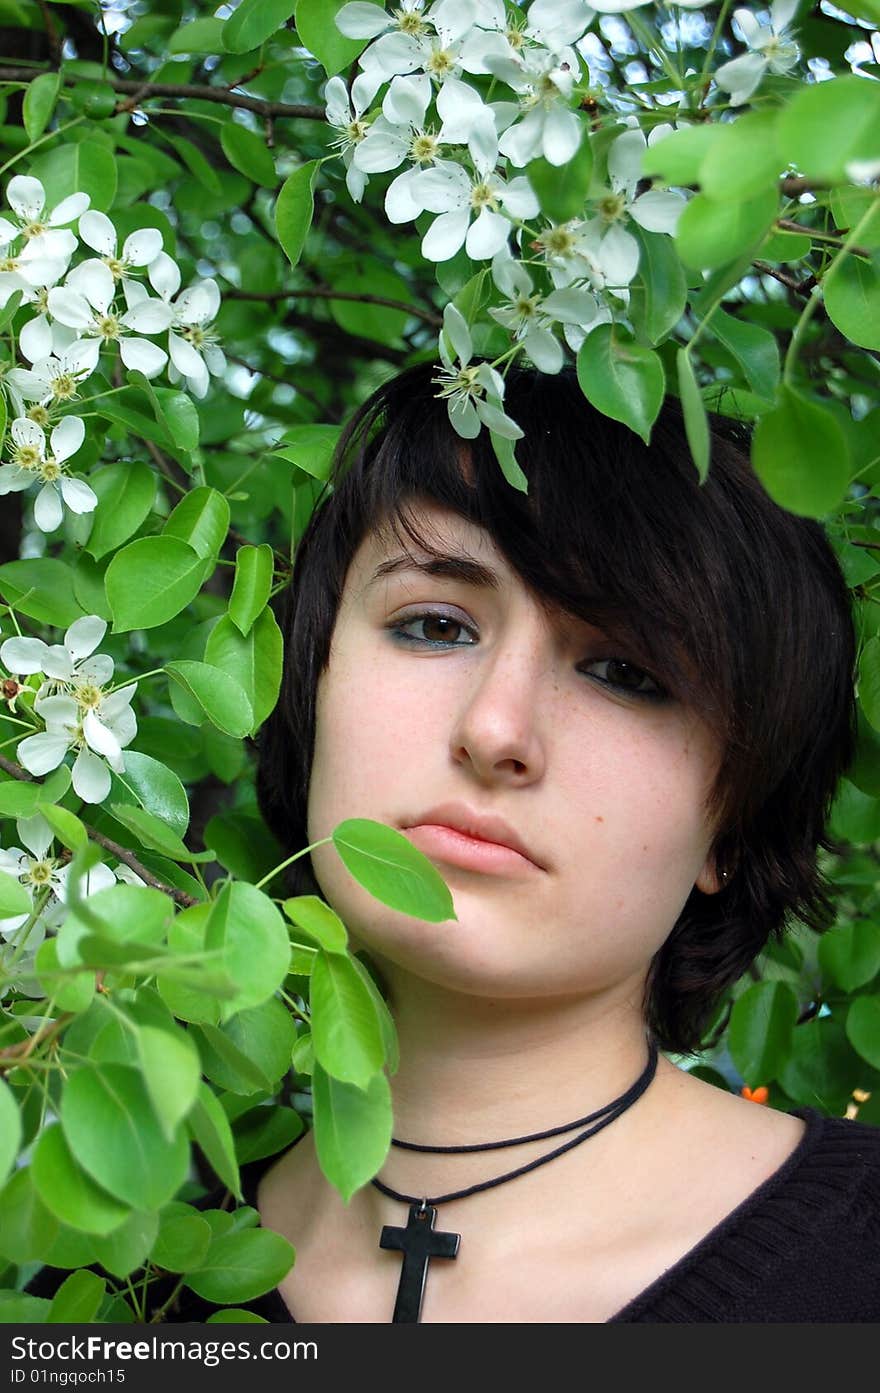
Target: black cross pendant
(419, 1243)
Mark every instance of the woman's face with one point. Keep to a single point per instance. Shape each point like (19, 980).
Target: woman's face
(499, 707)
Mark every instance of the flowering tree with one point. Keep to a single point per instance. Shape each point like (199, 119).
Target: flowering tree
(678, 198)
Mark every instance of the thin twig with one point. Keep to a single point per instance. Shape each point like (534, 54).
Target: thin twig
(120, 852)
(800, 287)
(328, 293)
(183, 89)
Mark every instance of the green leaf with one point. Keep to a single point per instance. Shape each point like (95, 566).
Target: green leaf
(869, 681)
(125, 497)
(152, 833)
(760, 1033)
(41, 588)
(352, 1129)
(177, 413)
(209, 1128)
(294, 208)
(386, 1020)
(172, 1072)
(157, 789)
(855, 816)
(315, 24)
(800, 455)
(679, 157)
(345, 1027)
(696, 423)
(226, 1065)
(235, 1315)
(250, 935)
(151, 580)
(247, 152)
(829, 124)
(321, 923)
(73, 991)
(505, 453)
(851, 208)
(201, 519)
(121, 914)
(383, 323)
(823, 1067)
(112, 1131)
(242, 1266)
(21, 799)
(10, 1129)
(253, 22)
(88, 167)
(27, 1228)
(198, 36)
(755, 349)
(711, 233)
(264, 1131)
(17, 1308)
(659, 296)
(77, 1300)
(742, 160)
(254, 569)
(39, 103)
(561, 191)
(221, 697)
(195, 162)
(66, 1190)
(184, 1239)
(66, 825)
(125, 1249)
(310, 448)
(863, 1028)
(14, 897)
(385, 863)
(621, 379)
(850, 953)
(254, 660)
(852, 299)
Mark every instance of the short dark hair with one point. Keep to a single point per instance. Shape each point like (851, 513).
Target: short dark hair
(735, 605)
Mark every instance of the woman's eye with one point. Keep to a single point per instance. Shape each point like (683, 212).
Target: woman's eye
(436, 629)
(627, 677)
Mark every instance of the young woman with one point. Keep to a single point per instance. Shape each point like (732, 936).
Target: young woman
(613, 712)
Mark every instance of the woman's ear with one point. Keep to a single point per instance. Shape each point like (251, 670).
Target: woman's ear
(712, 877)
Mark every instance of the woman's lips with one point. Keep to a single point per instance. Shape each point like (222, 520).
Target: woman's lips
(469, 853)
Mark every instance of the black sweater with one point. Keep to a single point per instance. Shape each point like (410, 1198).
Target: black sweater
(803, 1247)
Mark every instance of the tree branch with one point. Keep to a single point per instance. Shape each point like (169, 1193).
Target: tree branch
(327, 293)
(800, 287)
(201, 91)
(120, 852)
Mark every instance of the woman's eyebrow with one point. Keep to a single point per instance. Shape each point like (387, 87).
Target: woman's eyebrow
(451, 566)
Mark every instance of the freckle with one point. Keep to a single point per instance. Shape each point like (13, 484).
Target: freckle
(644, 848)
(600, 819)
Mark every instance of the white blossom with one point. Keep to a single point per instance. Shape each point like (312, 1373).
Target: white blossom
(473, 393)
(138, 249)
(67, 665)
(96, 724)
(770, 47)
(530, 315)
(345, 113)
(192, 342)
(449, 191)
(549, 127)
(30, 463)
(53, 380)
(45, 234)
(85, 303)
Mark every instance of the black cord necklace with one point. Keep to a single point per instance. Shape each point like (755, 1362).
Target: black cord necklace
(419, 1242)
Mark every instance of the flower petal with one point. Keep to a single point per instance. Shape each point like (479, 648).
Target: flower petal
(68, 209)
(164, 275)
(407, 99)
(35, 339)
(445, 235)
(24, 431)
(401, 205)
(77, 495)
(91, 777)
(486, 235)
(142, 247)
(147, 317)
(99, 737)
(657, 210)
(41, 753)
(84, 635)
(23, 655)
(36, 834)
(70, 307)
(561, 135)
(27, 196)
(455, 329)
(625, 160)
(142, 356)
(361, 21)
(741, 76)
(98, 232)
(48, 508)
(67, 437)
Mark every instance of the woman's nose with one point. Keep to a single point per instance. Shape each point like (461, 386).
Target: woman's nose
(499, 729)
